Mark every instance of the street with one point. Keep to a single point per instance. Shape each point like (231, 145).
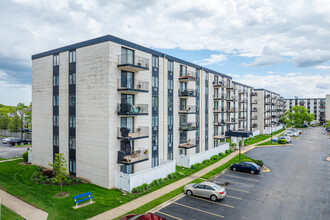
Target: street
(297, 186)
(7, 151)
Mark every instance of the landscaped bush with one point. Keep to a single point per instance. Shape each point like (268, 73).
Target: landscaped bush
(259, 162)
(281, 141)
(194, 166)
(227, 151)
(215, 157)
(26, 156)
(221, 154)
(46, 177)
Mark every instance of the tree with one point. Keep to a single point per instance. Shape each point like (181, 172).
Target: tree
(299, 115)
(21, 105)
(60, 170)
(327, 124)
(15, 124)
(4, 122)
(28, 118)
(284, 120)
(5, 110)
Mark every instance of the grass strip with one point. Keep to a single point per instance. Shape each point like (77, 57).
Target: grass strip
(226, 165)
(269, 143)
(8, 214)
(159, 201)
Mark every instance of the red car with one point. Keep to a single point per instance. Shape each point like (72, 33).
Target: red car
(146, 216)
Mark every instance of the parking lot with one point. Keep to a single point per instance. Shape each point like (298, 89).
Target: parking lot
(238, 185)
(297, 186)
(7, 151)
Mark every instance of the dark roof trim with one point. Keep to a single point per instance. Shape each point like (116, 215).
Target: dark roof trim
(305, 99)
(241, 84)
(266, 91)
(126, 43)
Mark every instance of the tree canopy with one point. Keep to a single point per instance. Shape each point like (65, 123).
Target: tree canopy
(298, 115)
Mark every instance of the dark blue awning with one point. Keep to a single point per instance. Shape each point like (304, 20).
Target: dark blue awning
(238, 133)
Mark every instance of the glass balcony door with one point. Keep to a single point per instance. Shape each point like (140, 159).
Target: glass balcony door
(127, 56)
(127, 80)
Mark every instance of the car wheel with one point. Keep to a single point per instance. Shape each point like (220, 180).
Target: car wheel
(189, 193)
(252, 171)
(213, 198)
(234, 168)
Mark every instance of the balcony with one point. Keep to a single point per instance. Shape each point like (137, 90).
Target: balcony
(128, 109)
(254, 110)
(267, 118)
(254, 102)
(267, 96)
(219, 136)
(230, 110)
(231, 121)
(187, 144)
(188, 76)
(187, 93)
(241, 129)
(301, 103)
(254, 118)
(253, 94)
(190, 109)
(230, 98)
(241, 118)
(131, 63)
(132, 157)
(217, 110)
(191, 126)
(241, 92)
(219, 123)
(254, 125)
(242, 101)
(124, 133)
(242, 110)
(230, 87)
(217, 97)
(218, 84)
(133, 88)
(267, 103)
(322, 110)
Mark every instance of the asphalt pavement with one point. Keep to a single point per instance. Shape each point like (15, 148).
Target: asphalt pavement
(7, 151)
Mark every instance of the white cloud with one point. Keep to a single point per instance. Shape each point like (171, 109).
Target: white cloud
(214, 59)
(323, 67)
(269, 57)
(290, 85)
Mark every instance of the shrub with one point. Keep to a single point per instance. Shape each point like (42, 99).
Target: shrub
(227, 151)
(205, 161)
(47, 181)
(259, 162)
(48, 173)
(281, 141)
(74, 180)
(215, 157)
(26, 156)
(221, 154)
(195, 166)
(134, 190)
(39, 169)
(68, 181)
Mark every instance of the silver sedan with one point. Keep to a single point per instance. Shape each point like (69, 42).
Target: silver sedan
(206, 189)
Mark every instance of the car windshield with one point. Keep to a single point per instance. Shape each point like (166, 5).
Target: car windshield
(218, 188)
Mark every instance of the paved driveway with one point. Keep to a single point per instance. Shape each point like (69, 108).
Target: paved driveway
(297, 187)
(7, 151)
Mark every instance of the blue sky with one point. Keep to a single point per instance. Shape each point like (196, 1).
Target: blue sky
(260, 43)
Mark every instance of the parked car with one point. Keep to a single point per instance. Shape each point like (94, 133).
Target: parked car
(327, 129)
(246, 167)
(205, 189)
(293, 132)
(25, 130)
(287, 138)
(6, 140)
(146, 216)
(304, 125)
(313, 125)
(19, 141)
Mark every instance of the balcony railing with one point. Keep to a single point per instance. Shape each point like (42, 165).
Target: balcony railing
(217, 97)
(190, 126)
(242, 101)
(136, 133)
(254, 118)
(187, 93)
(254, 102)
(137, 86)
(219, 123)
(189, 75)
(132, 63)
(242, 118)
(253, 93)
(267, 103)
(230, 98)
(132, 157)
(218, 84)
(190, 143)
(254, 110)
(218, 109)
(231, 121)
(128, 109)
(218, 136)
(267, 96)
(230, 110)
(189, 109)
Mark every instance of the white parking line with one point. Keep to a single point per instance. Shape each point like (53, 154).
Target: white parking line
(230, 206)
(241, 177)
(236, 182)
(234, 197)
(170, 215)
(236, 189)
(210, 213)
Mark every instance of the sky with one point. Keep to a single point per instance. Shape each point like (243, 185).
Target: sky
(279, 45)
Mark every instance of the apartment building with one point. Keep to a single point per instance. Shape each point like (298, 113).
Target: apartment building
(267, 108)
(123, 114)
(317, 106)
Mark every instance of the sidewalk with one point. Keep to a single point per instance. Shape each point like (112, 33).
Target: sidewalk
(134, 204)
(22, 208)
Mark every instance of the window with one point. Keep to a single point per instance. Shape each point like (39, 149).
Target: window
(55, 140)
(170, 84)
(155, 61)
(183, 86)
(127, 169)
(170, 156)
(55, 80)
(155, 142)
(154, 101)
(170, 138)
(216, 118)
(216, 105)
(170, 120)
(72, 100)
(56, 60)
(72, 143)
(170, 66)
(170, 101)
(126, 98)
(55, 120)
(72, 78)
(127, 56)
(154, 121)
(72, 121)
(154, 161)
(72, 56)
(216, 93)
(155, 81)
(183, 119)
(215, 131)
(55, 100)
(208, 187)
(72, 166)
(127, 80)
(127, 122)
(183, 104)
(183, 70)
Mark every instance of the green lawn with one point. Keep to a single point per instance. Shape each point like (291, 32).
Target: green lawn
(16, 180)
(8, 214)
(269, 143)
(256, 139)
(24, 145)
(226, 165)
